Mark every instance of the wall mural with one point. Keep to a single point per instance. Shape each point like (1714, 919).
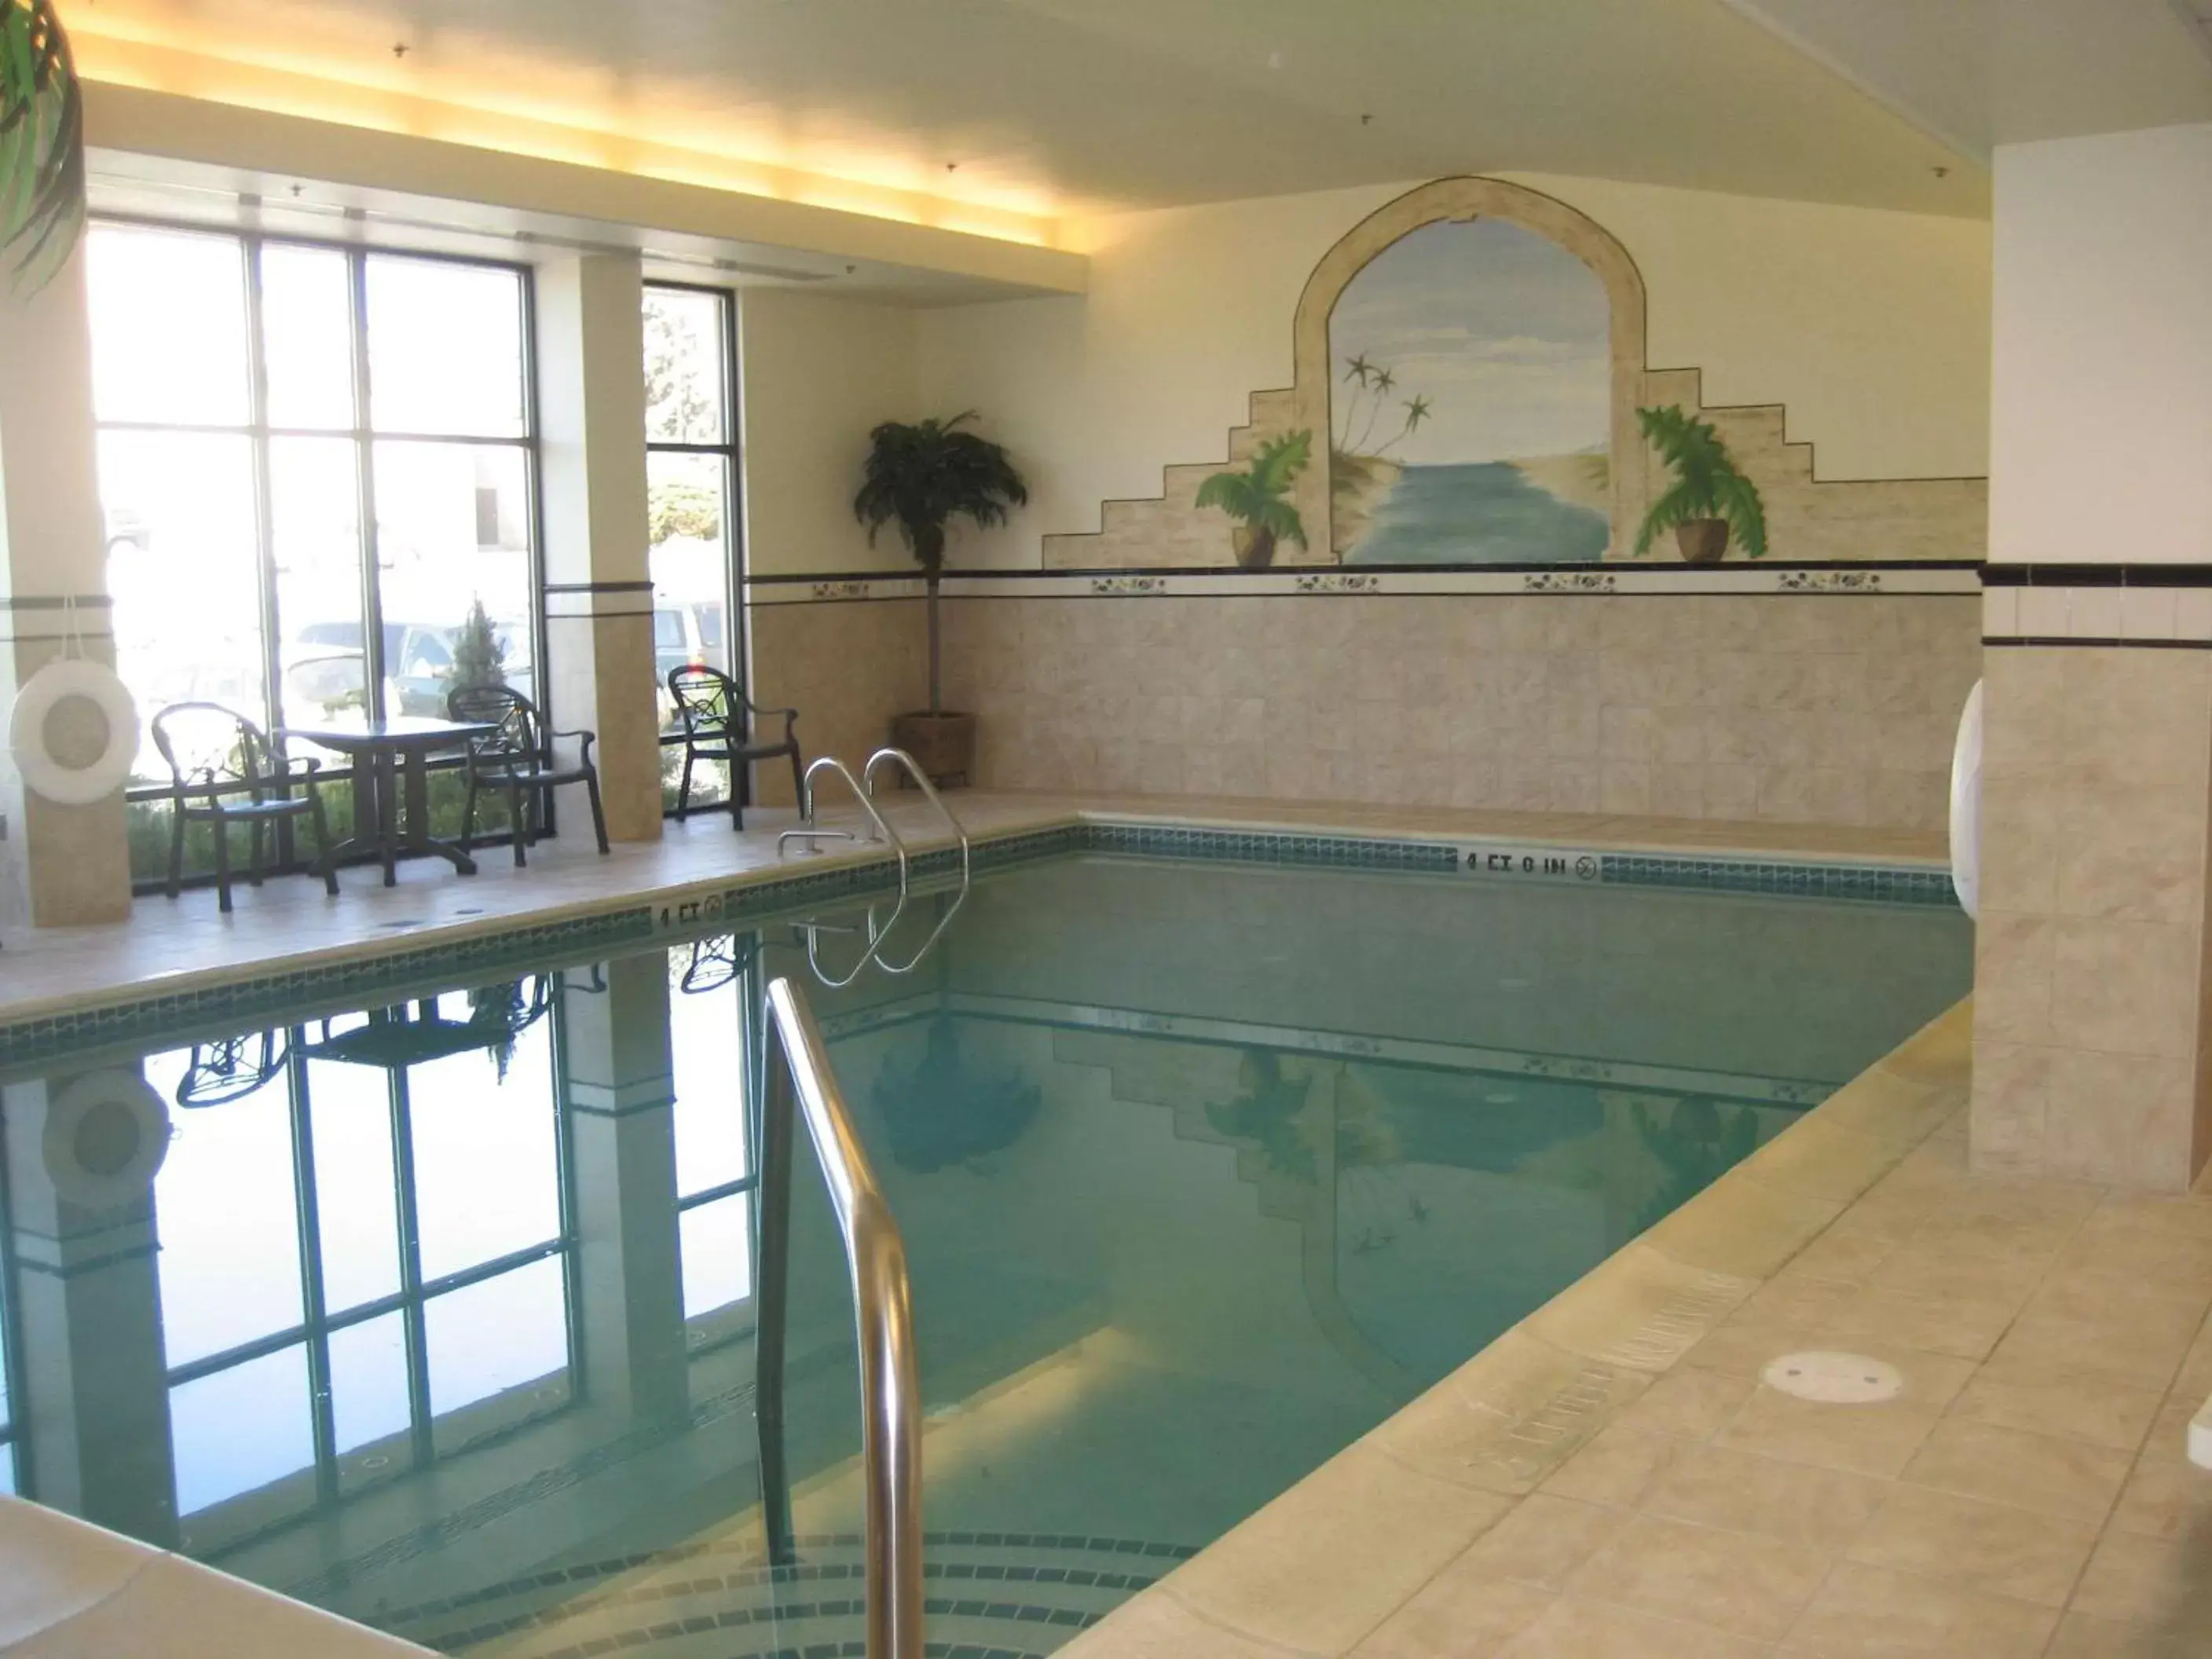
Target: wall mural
(1471, 388)
(1470, 421)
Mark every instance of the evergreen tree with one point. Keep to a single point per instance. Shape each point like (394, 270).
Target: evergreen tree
(478, 656)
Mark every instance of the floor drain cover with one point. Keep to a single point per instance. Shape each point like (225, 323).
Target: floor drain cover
(1835, 1379)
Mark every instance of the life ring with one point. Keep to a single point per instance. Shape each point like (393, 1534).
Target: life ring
(53, 685)
(106, 1135)
(1966, 806)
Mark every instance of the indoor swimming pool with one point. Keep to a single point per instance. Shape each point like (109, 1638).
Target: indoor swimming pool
(438, 1310)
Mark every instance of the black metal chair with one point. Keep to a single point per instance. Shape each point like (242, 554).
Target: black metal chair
(224, 770)
(519, 759)
(719, 723)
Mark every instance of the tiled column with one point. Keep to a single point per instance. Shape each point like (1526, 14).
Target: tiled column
(621, 1098)
(95, 1411)
(599, 586)
(2090, 1031)
(60, 866)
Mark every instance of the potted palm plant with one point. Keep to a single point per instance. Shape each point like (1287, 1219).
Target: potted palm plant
(42, 201)
(921, 478)
(1709, 498)
(1258, 498)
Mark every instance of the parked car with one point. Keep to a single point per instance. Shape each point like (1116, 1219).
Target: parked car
(322, 666)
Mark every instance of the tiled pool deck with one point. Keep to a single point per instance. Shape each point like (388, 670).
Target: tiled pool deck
(1612, 1480)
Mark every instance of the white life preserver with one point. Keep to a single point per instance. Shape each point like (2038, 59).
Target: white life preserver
(106, 1135)
(1966, 806)
(55, 684)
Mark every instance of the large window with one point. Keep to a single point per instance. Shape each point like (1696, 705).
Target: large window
(691, 477)
(315, 464)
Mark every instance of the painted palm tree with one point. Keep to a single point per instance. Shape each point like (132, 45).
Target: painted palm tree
(1258, 498)
(922, 477)
(42, 144)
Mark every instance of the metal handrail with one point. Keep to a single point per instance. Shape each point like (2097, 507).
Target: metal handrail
(890, 1395)
(884, 832)
(901, 758)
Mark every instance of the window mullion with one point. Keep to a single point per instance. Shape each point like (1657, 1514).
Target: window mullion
(372, 595)
(314, 1308)
(264, 495)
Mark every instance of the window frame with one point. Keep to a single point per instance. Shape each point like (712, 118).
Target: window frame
(731, 449)
(259, 433)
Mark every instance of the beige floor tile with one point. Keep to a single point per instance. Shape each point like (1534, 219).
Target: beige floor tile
(1542, 1542)
(1739, 1227)
(2159, 1583)
(1932, 1381)
(1330, 1559)
(2066, 1478)
(1156, 1625)
(2167, 1310)
(1842, 1254)
(2091, 1351)
(1877, 1440)
(1965, 1326)
(1986, 1546)
(1750, 1587)
(1575, 1629)
(2002, 1237)
(1798, 1296)
(1767, 1497)
(1639, 1310)
(1693, 1403)
(2166, 1498)
(1822, 1157)
(1924, 1270)
(2109, 1415)
(2081, 1635)
(1870, 1612)
(1455, 1617)
(1617, 1467)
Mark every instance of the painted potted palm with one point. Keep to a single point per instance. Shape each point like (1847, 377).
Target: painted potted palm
(921, 476)
(1709, 497)
(42, 200)
(1258, 498)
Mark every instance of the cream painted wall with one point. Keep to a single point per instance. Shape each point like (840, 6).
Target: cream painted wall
(817, 373)
(2101, 434)
(1872, 326)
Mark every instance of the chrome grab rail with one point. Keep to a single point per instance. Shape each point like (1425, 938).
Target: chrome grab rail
(891, 1396)
(882, 832)
(899, 757)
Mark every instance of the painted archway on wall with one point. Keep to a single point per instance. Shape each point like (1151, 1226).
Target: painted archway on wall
(1475, 353)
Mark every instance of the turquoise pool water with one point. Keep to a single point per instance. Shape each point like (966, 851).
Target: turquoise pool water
(438, 1313)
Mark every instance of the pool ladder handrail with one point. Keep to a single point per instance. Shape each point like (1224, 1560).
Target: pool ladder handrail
(880, 832)
(891, 1392)
(863, 791)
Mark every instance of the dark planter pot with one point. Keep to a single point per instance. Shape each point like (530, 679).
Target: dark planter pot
(942, 745)
(1702, 540)
(1256, 548)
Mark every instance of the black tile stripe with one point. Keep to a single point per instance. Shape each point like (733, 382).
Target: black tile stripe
(2097, 575)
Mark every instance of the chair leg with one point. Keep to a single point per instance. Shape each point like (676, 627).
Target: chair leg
(325, 864)
(222, 864)
(514, 810)
(469, 815)
(797, 779)
(599, 813)
(737, 790)
(684, 788)
(255, 852)
(176, 848)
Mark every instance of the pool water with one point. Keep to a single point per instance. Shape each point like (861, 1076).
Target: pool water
(440, 1314)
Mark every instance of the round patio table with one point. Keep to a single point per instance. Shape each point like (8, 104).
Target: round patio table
(391, 759)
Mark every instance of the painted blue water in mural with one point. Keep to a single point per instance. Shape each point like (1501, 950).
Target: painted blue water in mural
(1484, 513)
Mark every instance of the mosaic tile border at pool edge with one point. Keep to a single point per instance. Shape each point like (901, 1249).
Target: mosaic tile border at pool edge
(766, 897)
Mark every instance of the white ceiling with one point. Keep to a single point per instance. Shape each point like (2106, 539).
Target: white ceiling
(1980, 73)
(1066, 107)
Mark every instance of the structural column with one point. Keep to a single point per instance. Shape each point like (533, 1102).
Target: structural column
(59, 866)
(2093, 1054)
(599, 586)
(95, 1418)
(620, 1102)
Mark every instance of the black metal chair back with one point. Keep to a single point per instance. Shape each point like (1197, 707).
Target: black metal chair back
(520, 738)
(207, 746)
(707, 702)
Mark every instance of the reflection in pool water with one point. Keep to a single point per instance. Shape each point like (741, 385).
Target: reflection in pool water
(1203, 1172)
